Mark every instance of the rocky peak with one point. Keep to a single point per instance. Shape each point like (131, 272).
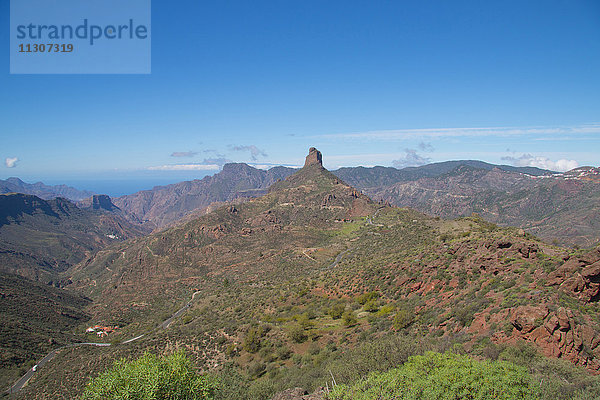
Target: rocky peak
(99, 202)
(314, 157)
(237, 167)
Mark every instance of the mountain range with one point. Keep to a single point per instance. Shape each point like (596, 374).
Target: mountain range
(557, 207)
(164, 205)
(286, 284)
(560, 208)
(15, 185)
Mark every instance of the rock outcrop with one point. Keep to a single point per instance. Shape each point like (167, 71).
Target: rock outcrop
(102, 202)
(557, 334)
(579, 277)
(314, 157)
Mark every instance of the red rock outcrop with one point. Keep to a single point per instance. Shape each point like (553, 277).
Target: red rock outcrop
(579, 277)
(557, 334)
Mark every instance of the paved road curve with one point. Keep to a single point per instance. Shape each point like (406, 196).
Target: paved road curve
(18, 385)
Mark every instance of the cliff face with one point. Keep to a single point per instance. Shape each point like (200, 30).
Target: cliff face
(99, 202)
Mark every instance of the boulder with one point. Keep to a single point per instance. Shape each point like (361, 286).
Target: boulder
(527, 318)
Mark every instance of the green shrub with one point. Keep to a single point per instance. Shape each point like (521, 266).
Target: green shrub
(371, 306)
(304, 321)
(385, 310)
(256, 369)
(151, 377)
(253, 339)
(403, 319)
(336, 311)
(363, 298)
(297, 334)
(349, 318)
(443, 376)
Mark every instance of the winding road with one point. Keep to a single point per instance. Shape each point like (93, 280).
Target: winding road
(336, 261)
(18, 385)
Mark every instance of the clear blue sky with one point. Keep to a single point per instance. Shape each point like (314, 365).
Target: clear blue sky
(367, 82)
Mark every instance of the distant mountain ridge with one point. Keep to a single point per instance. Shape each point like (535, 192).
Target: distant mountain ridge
(508, 195)
(560, 207)
(46, 192)
(363, 177)
(164, 205)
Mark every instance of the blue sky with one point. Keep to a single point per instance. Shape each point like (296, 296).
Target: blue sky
(392, 83)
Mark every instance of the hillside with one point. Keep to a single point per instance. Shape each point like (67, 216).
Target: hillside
(290, 282)
(36, 318)
(47, 192)
(39, 238)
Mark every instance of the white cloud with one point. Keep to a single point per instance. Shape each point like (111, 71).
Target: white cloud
(217, 160)
(411, 159)
(462, 132)
(186, 167)
(528, 160)
(11, 162)
(271, 165)
(255, 152)
(184, 153)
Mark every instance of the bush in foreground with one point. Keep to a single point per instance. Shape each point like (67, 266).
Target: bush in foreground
(443, 376)
(151, 378)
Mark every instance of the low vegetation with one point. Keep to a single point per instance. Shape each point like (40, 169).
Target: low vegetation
(445, 376)
(151, 378)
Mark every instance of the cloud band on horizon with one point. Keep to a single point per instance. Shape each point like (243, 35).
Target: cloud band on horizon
(395, 134)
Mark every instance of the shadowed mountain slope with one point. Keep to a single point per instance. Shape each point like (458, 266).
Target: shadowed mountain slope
(36, 318)
(41, 238)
